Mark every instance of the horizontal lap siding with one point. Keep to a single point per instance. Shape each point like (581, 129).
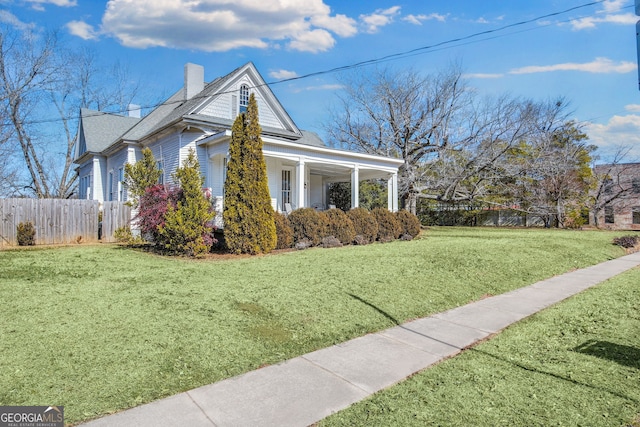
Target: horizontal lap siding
(167, 149)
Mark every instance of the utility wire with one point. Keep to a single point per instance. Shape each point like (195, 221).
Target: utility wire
(459, 41)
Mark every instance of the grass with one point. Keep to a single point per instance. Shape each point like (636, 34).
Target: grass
(102, 328)
(575, 364)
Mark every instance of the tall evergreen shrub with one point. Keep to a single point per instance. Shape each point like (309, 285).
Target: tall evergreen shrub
(249, 225)
(187, 229)
(141, 175)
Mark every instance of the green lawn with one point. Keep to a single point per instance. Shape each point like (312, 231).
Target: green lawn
(102, 328)
(575, 364)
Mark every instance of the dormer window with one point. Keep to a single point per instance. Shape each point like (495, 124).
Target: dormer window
(244, 98)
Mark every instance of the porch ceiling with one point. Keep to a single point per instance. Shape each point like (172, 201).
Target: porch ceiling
(335, 172)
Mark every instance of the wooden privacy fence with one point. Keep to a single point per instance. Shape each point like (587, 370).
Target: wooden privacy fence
(61, 220)
(114, 216)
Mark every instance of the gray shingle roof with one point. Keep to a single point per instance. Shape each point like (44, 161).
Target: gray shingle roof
(101, 129)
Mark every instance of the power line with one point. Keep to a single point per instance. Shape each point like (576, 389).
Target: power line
(399, 55)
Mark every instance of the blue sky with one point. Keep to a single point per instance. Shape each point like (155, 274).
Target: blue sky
(587, 55)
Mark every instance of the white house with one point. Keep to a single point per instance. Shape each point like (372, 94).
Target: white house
(299, 164)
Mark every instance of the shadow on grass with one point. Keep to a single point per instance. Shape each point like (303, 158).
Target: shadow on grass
(622, 354)
(379, 310)
(551, 374)
(609, 351)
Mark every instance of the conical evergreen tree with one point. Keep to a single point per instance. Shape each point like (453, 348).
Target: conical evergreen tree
(249, 225)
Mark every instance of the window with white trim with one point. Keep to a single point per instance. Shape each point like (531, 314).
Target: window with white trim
(286, 186)
(244, 98)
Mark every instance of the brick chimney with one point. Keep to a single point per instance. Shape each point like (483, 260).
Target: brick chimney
(193, 80)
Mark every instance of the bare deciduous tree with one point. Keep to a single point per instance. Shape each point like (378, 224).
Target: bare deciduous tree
(43, 85)
(401, 114)
(453, 146)
(555, 162)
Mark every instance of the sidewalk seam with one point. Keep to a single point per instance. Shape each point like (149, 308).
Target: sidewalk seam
(200, 407)
(311, 362)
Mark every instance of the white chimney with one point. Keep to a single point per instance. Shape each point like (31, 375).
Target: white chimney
(133, 110)
(193, 80)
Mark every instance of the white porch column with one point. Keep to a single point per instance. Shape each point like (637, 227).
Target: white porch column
(92, 191)
(355, 186)
(392, 193)
(300, 178)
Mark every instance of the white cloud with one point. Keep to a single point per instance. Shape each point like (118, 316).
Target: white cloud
(82, 30)
(592, 21)
(221, 25)
(9, 18)
(610, 6)
(482, 20)
(484, 75)
(619, 131)
(283, 74)
(39, 4)
(319, 87)
(419, 19)
(379, 18)
(313, 41)
(633, 108)
(609, 14)
(342, 25)
(599, 65)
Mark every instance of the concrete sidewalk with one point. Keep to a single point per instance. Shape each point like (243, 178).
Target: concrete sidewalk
(306, 389)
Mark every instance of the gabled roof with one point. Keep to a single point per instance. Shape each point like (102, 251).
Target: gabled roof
(98, 130)
(176, 108)
(103, 130)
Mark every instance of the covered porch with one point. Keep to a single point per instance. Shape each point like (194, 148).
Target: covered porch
(299, 174)
(305, 182)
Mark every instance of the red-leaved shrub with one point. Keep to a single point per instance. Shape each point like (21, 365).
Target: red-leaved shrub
(153, 207)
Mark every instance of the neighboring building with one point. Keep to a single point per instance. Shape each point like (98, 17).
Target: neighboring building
(619, 197)
(199, 116)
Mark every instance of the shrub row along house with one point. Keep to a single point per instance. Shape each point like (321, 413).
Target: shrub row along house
(300, 166)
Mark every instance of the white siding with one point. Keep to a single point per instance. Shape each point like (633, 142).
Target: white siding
(215, 177)
(117, 160)
(224, 106)
(115, 163)
(316, 192)
(167, 149)
(86, 170)
(267, 116)
(221, 107)
(187, 142)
